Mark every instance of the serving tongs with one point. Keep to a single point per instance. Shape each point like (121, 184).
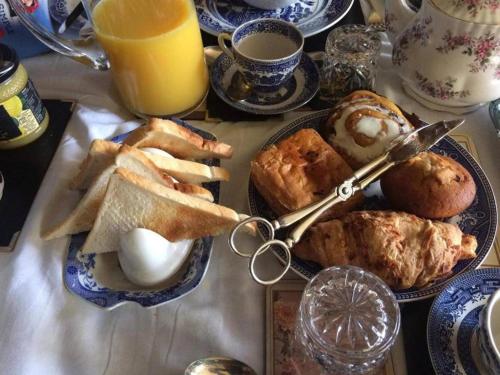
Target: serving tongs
(400, 150)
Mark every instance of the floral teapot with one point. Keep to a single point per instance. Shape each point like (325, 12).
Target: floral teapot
(447, 53)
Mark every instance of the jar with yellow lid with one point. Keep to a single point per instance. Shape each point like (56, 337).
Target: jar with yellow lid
(23, 117)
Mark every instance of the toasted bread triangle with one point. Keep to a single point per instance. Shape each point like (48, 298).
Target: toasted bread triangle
(177, 140)
(83, 216)
(102, 153)
(132, 201)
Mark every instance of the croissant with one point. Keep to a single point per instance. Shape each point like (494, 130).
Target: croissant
(402, 249)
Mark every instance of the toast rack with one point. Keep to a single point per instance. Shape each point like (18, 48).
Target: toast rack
(401, 149)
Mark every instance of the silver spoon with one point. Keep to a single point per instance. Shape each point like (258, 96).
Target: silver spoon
(239, 89)
(218, 366)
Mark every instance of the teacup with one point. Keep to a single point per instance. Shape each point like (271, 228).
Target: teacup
(270, 4)
(489, 333)
(266, 52)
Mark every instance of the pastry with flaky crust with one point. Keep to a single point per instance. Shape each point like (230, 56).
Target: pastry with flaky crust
(301, 170)
(402, 249)
(362, 125)
(429, 185)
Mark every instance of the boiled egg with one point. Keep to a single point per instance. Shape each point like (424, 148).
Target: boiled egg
(147, 258)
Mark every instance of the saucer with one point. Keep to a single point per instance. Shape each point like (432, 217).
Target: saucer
(296, 92)
(310, 16)
(454, 319)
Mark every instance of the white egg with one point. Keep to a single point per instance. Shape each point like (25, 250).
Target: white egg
(148, 259)
(156, 151)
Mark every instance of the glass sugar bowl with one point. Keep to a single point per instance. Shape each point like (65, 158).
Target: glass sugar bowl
(347, 323)
(350, 61)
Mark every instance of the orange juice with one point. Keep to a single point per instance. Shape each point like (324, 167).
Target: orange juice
(156, 53)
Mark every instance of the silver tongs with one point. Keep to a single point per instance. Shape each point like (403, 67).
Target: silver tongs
(400, 150)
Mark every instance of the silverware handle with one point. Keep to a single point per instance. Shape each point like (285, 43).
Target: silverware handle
(261, 250)
(271, 227)
(297, 233)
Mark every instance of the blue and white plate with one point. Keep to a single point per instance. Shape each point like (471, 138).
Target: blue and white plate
(480, 219)
(296, 92)
(310, 16)
(97, 278)
(453, 319)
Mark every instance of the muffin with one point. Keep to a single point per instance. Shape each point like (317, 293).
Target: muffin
(362, 125)
(301, 170)
(429, 185)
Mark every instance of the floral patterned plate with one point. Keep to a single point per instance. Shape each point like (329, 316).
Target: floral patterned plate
(480, 219)
(453, 319)
(310, 16)
(97, 278)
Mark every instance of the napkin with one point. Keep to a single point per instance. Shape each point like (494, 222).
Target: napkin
(46, 329)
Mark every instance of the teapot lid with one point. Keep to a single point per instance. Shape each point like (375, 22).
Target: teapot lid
(476, 11)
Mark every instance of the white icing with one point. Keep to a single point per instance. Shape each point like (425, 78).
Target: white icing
(369, 126)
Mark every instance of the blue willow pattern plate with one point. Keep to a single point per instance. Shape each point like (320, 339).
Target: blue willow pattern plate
(80, 270)
(480, 219)
(294, 93)
(453, 321)
(310, 16)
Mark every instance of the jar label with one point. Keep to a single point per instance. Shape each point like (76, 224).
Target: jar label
(22, 114)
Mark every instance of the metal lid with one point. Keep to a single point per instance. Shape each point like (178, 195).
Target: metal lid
(9, 61)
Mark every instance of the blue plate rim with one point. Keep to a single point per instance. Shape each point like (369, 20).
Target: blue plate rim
(401, 296)
(201, 9)
(434, 313)
(205, 243)
(219, 90)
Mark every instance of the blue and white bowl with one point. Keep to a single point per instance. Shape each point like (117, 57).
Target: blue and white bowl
(265, 75)
(490, 348)
(270, 4)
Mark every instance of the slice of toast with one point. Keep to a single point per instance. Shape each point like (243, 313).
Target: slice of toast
(100, 156)
(102, 153)
(83, 216)
(177, 140)
(133, 201)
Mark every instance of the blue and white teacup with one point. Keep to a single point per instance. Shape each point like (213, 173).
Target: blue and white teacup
(489, 333)
(266, 52)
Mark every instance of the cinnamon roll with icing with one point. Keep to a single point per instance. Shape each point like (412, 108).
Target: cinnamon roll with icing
(362, 125)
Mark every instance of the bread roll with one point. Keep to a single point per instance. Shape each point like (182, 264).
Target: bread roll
(301, 170)
(429, 185)
(362, 125)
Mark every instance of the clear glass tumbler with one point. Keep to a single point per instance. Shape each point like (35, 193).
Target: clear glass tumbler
(347, 323)
(350, 61)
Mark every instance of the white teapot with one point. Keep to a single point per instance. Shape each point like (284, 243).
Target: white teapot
(448, 53)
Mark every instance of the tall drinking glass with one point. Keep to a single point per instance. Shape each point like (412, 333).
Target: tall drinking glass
(153, 47)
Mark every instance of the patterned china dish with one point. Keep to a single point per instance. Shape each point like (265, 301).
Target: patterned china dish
(448, 54)
(270, 4)
(310, 16)
(489, 333)
(480, 219)
(97, 278)
(296, 92)
(266, 69)
(452, 326)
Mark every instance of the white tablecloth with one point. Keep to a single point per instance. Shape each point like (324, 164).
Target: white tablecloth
(46, 330)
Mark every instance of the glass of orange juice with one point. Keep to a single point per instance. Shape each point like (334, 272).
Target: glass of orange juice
(156, 54)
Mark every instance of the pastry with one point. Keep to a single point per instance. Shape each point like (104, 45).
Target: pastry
(429, 185)
(300, 170)
(362, 125)
(402, 249)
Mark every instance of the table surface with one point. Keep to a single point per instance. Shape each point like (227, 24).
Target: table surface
(44, 329)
